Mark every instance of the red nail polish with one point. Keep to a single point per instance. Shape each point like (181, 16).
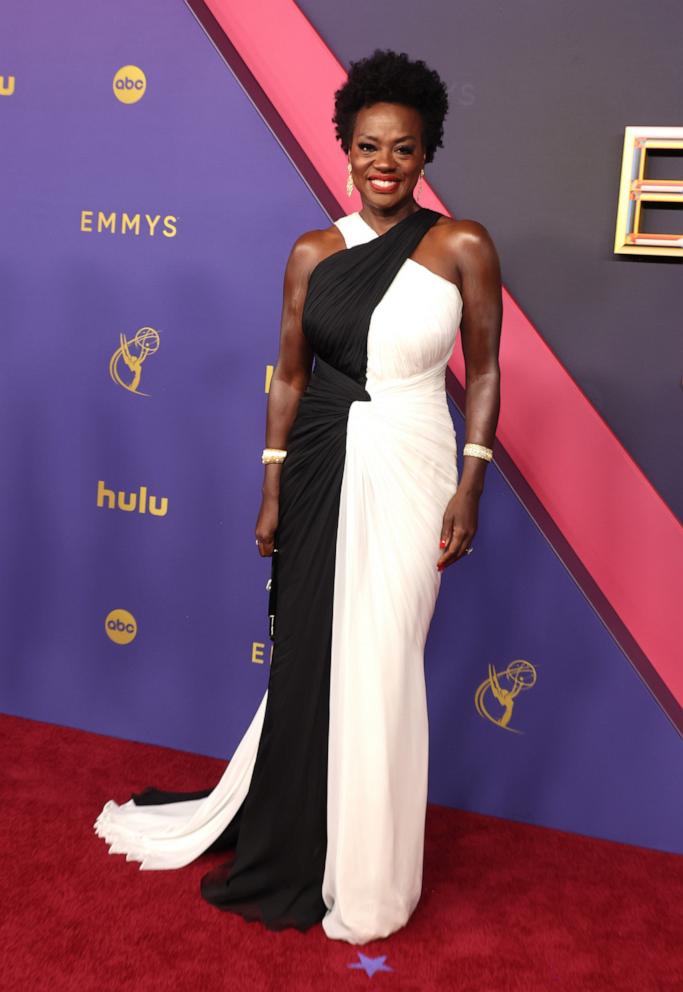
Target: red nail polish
(442, 543)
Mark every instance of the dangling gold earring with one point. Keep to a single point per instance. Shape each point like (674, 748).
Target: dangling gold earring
(349, 181)
(418, 192)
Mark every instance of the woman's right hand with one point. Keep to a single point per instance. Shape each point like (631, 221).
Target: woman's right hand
(266, 525)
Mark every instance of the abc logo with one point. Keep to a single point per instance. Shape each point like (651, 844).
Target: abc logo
(129, 84)
(121, 626)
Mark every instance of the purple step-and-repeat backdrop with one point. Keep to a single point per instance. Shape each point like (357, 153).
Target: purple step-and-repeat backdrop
(146, 216)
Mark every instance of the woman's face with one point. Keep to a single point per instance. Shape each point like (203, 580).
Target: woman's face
(386, 153)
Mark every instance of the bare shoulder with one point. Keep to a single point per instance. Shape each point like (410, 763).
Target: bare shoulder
(468, 234)
(468, 242)
(312, 247)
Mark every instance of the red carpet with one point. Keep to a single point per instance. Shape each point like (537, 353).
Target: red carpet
(505, 906)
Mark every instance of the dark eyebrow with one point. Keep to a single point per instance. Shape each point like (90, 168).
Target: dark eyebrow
(406, 137)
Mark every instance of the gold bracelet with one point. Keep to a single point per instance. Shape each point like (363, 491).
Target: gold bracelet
(273, 455)
(478, 450)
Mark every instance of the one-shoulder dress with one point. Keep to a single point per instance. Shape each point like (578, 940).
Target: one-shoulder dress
(323, 802)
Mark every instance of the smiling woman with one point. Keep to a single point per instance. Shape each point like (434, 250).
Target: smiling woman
(389, 119)
(324, 800)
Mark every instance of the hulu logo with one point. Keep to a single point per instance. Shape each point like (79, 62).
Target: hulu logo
(132, 502)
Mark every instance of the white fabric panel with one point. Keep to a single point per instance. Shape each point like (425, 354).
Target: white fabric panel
(400, 473)
(171, 835)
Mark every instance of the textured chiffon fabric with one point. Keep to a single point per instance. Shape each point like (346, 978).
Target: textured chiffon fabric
(324, 800)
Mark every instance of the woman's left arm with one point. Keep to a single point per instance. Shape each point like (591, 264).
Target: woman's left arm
(479, 270)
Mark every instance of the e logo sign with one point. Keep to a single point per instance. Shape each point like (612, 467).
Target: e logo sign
(129, 84)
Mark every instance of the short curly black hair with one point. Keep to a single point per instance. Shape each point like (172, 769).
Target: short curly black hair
(391, 77)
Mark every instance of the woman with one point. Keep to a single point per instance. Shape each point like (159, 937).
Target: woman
(324, 799)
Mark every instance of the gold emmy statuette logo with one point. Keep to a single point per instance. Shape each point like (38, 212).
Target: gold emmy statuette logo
(518, 676)
(121, 626)
(133, 352)
(130, 84)
(269, 375)
(7, 85)
(130, 502)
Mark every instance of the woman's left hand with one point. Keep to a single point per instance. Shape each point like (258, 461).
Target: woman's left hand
(459, 526)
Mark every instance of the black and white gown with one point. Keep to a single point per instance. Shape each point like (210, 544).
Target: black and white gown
(324, 799)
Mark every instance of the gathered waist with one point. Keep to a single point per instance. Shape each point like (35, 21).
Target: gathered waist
(424, 385)
(330, 393)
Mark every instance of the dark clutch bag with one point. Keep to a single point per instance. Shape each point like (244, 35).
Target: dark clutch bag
(272, 594)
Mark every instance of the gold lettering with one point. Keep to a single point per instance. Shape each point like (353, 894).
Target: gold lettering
(158, 507)
(103, 493)
(170, 229)
(128, 504)
(130, 222)
(152, 222)
(107, 222)
(104, 221)
(257, 652)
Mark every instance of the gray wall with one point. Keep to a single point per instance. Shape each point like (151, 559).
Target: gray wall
(540, 95)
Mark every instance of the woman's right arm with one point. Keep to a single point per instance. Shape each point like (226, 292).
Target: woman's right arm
(290, 377)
